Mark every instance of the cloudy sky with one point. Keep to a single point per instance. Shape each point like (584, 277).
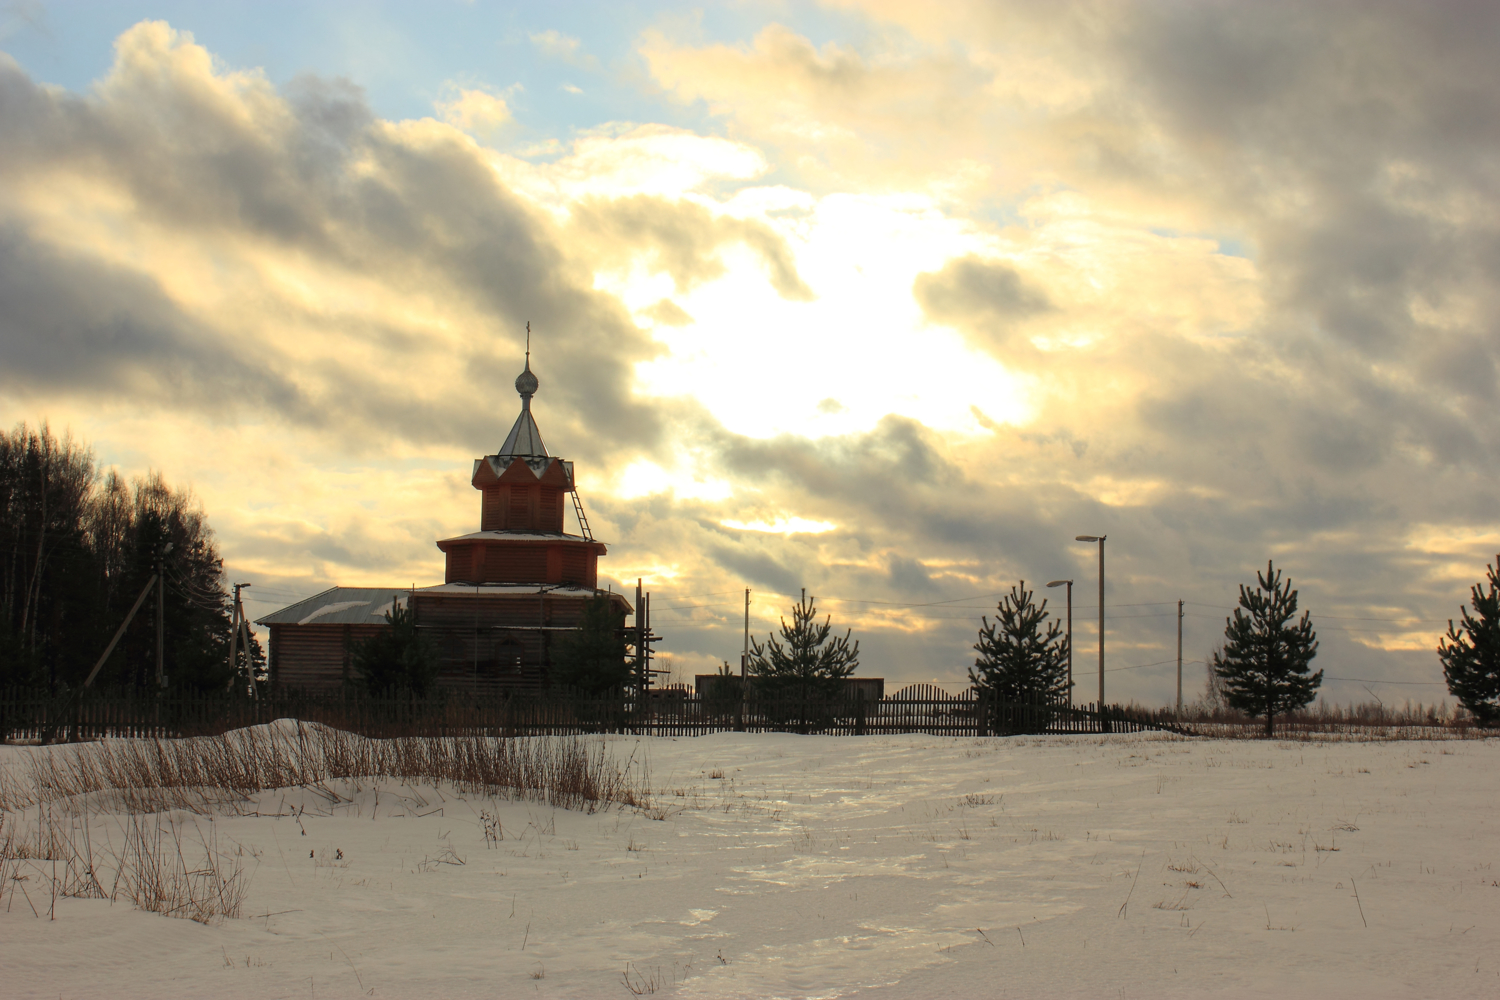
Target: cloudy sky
(887, 300)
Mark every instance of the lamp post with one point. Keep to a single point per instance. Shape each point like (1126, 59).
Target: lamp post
(1069, 583)
(1100, 540)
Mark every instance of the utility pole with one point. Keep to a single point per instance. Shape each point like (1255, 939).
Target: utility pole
(1179, 662)
(50, 730)
(745, 654)
(1100, 539)
(161, 614)
(237, 626)
(239, 640)
(234, 635)
(1101, 623)
(249, 657)
(640, 638)
(1069, 583)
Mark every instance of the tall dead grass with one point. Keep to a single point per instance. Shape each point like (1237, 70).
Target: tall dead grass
(47, 796)
(1325, 721)
(153, 872)
(157, 868)
(202, 774)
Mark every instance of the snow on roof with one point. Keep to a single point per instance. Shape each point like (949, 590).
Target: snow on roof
(518, 536)
(339, 606)
(517, 590)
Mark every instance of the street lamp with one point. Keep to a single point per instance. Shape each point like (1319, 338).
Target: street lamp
(1100, 540)
(1069, 583)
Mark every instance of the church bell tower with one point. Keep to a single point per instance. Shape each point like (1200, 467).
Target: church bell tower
(524, 493)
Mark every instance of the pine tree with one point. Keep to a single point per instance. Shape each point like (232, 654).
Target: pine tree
(592, 659)
(1264, 661)
(1471, 658)
(810, 664)
(1023, 658)
(399, 660)
(77, 547)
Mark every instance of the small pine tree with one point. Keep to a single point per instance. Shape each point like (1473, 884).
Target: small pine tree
(591, 660)
(1264, 661)
(399, 659)
(1471, 658)
(1023, 658)
(810, 665)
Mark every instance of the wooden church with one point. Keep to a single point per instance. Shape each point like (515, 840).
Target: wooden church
(508, 589)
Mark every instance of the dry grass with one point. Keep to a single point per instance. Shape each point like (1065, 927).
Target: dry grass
(58, 857)
(647, 983)
(203, 773)
(154, 873)
(47, 798)
(1325, 721)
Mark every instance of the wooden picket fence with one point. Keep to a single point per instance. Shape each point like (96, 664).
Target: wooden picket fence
(27, 715)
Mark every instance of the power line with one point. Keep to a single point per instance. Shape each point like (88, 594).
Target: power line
(679, 607)
(1139, 666)
(1345, 618)
(900, 604)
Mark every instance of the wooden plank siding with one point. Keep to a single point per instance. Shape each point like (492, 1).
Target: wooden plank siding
(521, 506)
(315, 656)
(484, 644)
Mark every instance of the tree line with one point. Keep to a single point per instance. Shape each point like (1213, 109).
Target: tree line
(77, 547)
(1263, 667)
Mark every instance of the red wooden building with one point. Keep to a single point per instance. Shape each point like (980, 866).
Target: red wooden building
(508, 589)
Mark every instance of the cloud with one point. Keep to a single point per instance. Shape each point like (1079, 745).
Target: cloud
(566, 48)
(621, 159)
(475, 111)
(988, 299)
(839, 111)
(209, 212)
(1215, 282)
(1242, 251)
(756, 567)
(682, 239)
(669, 313)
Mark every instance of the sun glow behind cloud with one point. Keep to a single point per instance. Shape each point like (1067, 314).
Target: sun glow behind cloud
(761, 363)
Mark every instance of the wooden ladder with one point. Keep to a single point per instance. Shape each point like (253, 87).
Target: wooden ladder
(583, 521)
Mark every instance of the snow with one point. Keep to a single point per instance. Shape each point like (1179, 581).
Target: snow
(884, 867)
(329, 609)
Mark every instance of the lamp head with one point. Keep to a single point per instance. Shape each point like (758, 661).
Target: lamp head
(1088, 538)
(1059, 583)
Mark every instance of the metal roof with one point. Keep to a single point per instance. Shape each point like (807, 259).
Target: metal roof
(368, 605)
(340, 606)
(516, 590)
(524, 439)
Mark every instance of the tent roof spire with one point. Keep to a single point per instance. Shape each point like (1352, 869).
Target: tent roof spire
(525, 438)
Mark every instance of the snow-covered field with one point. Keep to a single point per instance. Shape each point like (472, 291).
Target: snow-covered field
(805, 866)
